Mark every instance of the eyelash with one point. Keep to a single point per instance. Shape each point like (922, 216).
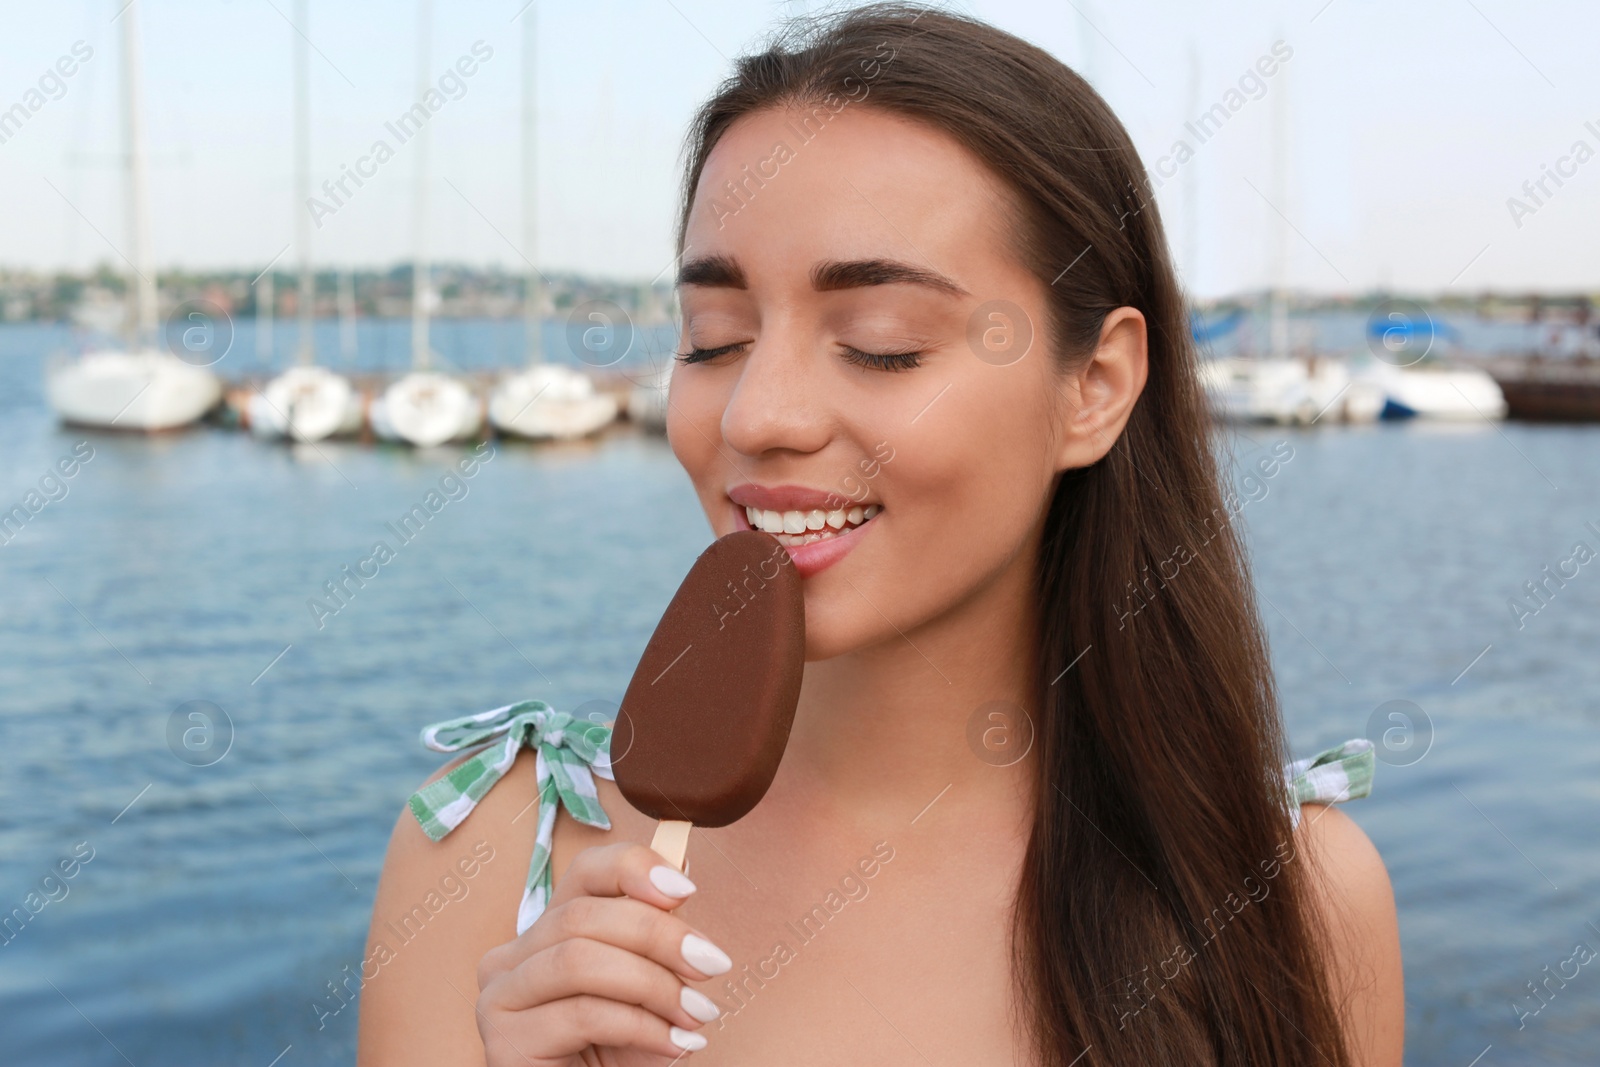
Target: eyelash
(700, 355)
(888, 361)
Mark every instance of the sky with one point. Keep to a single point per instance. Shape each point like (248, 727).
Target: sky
(1411, 130)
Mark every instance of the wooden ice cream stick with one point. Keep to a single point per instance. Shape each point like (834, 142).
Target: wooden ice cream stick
(671, 840)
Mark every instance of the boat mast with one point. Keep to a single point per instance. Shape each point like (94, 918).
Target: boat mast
(1280, 193)
(1087, 67)
(347, 317)
(530, 181)
(1191, 188)
(266, 299)
(421, 290)
(302, 179)
(142, 323)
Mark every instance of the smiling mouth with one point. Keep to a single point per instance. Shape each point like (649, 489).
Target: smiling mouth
(793, 528)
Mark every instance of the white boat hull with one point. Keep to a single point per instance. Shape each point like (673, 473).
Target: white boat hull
(426, 409)
(1287, 391)
(1462, 395)
(305, 404)
(146, 390)
(550, 402)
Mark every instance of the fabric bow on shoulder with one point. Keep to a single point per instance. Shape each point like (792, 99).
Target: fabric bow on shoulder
(1332, 776)
(567, 749)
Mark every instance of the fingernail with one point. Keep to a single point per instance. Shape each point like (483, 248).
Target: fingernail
(698, 1004)
(671, 882)
(704, 956)
(687, 1040)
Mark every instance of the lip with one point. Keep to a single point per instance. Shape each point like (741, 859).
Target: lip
(790, 498)
(818, 555)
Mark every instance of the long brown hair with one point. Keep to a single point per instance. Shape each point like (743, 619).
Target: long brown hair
(1161, 915)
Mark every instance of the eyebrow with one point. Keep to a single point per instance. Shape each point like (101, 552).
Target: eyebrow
(854, 273)
(723, 272)
(717, 272)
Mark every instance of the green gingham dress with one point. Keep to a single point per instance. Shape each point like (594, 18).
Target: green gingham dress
(570, 752)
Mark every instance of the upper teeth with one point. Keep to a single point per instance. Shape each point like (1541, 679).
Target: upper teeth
(796, 522)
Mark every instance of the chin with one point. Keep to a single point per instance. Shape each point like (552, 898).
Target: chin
(840, 619)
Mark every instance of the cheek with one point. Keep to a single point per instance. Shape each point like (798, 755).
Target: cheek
(694, 432)
(962, 495)
(686, 417)
(970, 487)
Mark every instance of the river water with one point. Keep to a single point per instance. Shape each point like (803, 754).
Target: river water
(208, 906)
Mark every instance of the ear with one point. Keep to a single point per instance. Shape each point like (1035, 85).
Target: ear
(1096, 399)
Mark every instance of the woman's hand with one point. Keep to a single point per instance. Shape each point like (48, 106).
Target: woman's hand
(599, 977)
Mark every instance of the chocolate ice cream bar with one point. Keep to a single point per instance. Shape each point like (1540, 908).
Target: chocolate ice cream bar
(705, 720)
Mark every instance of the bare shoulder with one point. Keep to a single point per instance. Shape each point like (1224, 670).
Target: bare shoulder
(1350, 886)
(440, 906)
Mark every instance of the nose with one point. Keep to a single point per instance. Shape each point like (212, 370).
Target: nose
(780, 401)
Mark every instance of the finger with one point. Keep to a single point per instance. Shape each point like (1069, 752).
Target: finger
(568, 1027)
(643, 930)
(580, 966)
(624, 869)
(620, 870)
(628, 924)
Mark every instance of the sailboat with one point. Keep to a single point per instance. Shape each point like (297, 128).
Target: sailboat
(306, 402)
(1426, 386)
(424, 408)
(139, 387)
(1284, 387)
(1436, 392)
(545, 401)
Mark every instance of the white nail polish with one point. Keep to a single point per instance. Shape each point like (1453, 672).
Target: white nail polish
(670, 882)
(698, 1004)
(687, 1040)
(704, 956)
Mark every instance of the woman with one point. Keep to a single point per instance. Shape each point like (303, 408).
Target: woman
(1033, 807)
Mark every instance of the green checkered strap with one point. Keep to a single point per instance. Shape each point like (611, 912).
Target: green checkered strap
(1332, 776)
(567, 751)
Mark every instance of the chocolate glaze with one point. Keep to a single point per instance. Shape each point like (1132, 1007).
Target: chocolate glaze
(706, 717)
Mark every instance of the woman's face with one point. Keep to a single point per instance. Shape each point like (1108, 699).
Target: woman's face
(867, 341)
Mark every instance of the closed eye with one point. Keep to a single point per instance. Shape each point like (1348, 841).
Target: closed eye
(700, 355)
(892, 361)
(889, 361)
